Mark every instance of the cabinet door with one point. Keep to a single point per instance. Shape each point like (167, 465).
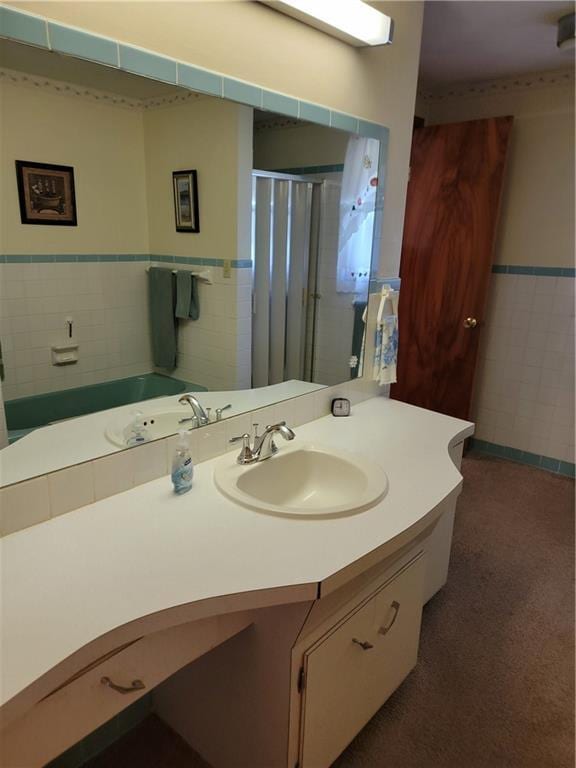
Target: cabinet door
(351, 671)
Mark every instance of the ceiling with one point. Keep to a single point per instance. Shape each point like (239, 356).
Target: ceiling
(472, 40)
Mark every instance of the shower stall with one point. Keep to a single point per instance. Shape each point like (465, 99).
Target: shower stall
(302, 327)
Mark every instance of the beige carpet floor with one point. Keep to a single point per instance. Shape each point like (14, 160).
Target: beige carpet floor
(494, 687)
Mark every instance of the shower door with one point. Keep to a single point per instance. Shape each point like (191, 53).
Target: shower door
(284, 239)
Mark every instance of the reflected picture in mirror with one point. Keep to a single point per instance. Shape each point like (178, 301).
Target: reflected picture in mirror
(186, 201)
(104, 327)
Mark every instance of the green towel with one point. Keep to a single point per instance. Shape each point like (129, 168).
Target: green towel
(163, 326)
(187, 304)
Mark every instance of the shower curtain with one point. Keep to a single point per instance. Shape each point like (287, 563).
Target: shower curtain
(357, 207)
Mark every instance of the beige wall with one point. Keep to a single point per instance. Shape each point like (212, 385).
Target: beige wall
(536, 221)
(253, 42)
(104, 144)
(203, 134)
(298, 146)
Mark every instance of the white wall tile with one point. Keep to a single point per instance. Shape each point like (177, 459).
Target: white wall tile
(71, 488)
(23, 505)
(149, 461)
(526, 368)
(113, 474)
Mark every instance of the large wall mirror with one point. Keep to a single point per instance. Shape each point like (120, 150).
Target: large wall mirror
(156, 242)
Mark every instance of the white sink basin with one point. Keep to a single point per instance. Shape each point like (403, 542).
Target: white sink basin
(157, 424)
(308, 481)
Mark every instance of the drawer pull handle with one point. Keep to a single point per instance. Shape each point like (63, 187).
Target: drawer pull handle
(135, 685)
(396, 608)
(365, 645)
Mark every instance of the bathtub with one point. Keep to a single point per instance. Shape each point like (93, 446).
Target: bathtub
(27, 413)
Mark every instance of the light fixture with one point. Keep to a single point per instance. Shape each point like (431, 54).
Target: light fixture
(565, 40)
(350, 20)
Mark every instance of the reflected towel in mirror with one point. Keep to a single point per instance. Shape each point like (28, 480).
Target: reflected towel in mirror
(187, 304)
(163, 326)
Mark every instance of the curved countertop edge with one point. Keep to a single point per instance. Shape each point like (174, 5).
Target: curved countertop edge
(126, 634)
(132, 630)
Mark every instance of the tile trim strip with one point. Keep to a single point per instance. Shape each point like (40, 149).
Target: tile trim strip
(32, 29)
(305, 169)
(557, 466)
(84, 258)
(513, 269)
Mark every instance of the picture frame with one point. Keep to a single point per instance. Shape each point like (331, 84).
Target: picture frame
(186, 212)
(46, 194)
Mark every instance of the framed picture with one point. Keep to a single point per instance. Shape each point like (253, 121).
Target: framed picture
(185, 185)
(46, 194)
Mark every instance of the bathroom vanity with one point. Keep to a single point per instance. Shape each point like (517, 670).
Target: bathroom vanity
(267, 639)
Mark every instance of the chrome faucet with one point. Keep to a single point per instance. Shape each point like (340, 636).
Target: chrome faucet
(264, 445)
(199, 412)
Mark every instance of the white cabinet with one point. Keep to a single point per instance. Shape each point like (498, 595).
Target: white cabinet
(352, 669)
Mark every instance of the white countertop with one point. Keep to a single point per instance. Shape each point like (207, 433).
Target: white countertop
(74, 578)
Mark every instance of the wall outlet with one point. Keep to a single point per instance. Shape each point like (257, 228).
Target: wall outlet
(227, 268)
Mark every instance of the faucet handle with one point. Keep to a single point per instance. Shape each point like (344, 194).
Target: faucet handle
(245, 456)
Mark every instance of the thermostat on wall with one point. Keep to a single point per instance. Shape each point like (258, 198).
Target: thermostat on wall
(340, 406)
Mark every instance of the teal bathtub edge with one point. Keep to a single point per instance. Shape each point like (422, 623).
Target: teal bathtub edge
(24, 414)
(557, 466)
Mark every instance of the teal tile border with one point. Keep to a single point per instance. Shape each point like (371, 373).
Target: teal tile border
(83, 258)
(303, 170)
(276, 102)
(344, 122)
(372, 130)
(83, 45)
(151, 65)
(23, 27)
(245, 93)
(512, 269)
(199, 80)
(523, 457)
(314, 113)
(35, 30)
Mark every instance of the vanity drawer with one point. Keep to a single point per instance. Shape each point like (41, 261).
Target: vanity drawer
(87, 701)
(351, 671)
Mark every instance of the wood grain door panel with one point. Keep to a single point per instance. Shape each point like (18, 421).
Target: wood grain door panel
(452, 208)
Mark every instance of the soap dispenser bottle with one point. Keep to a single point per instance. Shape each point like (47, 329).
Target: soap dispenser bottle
(182, 467)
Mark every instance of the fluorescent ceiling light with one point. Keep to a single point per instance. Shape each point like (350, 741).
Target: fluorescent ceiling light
(350, 20)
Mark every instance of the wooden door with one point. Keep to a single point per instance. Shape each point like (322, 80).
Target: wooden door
(452, 207)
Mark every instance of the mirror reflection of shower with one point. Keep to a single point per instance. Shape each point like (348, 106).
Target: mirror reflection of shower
(312, 238)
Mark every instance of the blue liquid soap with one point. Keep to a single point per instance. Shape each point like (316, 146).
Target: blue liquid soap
(182, 467)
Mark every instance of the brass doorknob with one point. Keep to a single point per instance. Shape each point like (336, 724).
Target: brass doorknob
(470, 322)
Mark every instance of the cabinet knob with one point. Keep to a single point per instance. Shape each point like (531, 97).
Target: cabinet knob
(364, 644)
(135, 685)
(470, 322)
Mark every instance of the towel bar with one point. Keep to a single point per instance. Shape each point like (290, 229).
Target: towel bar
(205, 275)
